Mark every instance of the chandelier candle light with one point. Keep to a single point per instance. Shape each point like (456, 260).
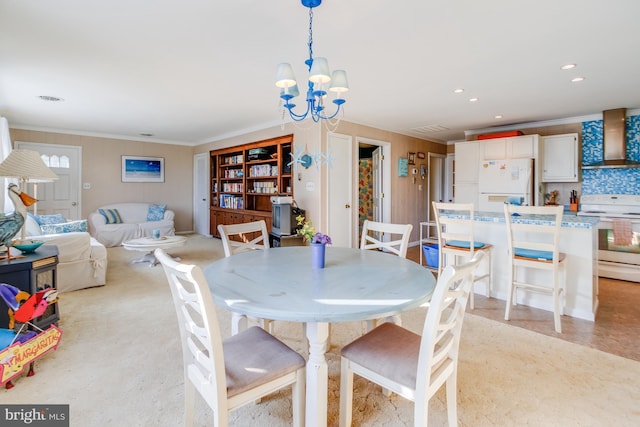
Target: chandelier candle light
(319, 77)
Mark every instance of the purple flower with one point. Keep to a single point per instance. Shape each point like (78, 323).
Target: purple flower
(321, 238)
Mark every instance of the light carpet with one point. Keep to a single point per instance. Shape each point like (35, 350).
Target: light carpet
(120, 364)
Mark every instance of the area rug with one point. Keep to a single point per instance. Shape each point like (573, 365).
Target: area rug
(120, 364)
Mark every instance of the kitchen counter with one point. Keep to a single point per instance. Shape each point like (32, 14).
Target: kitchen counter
(569, 220)
(578, 240)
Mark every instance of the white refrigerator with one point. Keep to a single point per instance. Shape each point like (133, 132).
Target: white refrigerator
(501, 181)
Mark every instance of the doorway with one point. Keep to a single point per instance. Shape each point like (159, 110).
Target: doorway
(340, 190)
(201, 212)
(374, 182)
(63, 195)
(436, 189)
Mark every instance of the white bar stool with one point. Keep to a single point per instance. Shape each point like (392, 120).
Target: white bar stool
(533, 234)
(456, 238)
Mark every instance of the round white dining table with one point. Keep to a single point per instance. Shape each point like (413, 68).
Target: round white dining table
(279, 284)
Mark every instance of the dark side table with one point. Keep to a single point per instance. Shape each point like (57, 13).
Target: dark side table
(31, 273)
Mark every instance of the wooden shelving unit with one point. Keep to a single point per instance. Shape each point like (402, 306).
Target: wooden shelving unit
(243, 179)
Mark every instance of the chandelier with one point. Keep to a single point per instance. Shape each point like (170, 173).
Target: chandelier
(319, 79)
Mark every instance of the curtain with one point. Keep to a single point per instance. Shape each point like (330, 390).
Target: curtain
(5, 149)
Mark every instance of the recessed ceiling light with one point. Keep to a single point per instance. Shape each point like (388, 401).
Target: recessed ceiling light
(498, 116)
(577, 79)
(568, 66)
(459, 90)
(50, 98)
(473, 99)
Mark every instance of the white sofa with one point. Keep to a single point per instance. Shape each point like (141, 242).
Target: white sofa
(82, 260)
(134, 224)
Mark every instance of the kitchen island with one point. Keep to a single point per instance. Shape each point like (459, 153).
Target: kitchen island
(578, 240)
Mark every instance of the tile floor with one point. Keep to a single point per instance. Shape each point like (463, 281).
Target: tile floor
(616, 329)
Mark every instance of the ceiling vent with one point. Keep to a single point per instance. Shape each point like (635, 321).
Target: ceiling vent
(426, 130)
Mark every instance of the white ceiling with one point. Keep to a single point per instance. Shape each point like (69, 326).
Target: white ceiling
(194, 71)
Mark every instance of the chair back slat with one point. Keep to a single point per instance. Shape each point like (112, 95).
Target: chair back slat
(199, 329)
(242, 237)
(457, 226)
(373, 232)
(443, 324)
(534, 228)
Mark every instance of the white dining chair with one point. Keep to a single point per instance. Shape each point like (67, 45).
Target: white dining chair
(237, 238)
(414, 366)
(233, 372)
(374, 233)
(456, 239)
(243, 237)
(393, 238)
(533, 235)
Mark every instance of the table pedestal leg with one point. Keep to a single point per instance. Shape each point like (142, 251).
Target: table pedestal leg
(317, 375)
(238, 322)
(151, 259)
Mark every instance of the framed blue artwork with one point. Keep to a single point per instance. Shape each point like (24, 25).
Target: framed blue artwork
(142, 169)
(403, 167)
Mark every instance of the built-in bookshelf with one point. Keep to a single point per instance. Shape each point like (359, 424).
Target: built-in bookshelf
(243, 179)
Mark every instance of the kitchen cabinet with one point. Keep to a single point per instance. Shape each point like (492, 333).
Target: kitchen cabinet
(560, 158)
(467, 192)
(467, 162)
(515, 147)
(494, 149)
(466, 166)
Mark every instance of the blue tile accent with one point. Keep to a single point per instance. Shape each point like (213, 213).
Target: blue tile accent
(592, 146)
(569, 221)
(633, 138)
(610, 181)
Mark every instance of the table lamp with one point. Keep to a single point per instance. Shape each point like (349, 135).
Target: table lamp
(27, 166)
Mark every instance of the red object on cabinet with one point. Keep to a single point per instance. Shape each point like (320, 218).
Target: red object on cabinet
(501, 134)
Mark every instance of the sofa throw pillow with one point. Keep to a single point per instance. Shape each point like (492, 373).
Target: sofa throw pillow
(33, 217)
(111, 215)
(65, 227)
(156, 212)
(50, 219)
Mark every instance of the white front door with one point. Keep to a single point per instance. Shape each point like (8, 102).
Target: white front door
(339, 190)
(63, 195)
(201, 211)
(378, 180)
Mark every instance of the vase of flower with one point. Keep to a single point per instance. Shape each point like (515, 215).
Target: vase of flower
(317, 255)
(316, 240)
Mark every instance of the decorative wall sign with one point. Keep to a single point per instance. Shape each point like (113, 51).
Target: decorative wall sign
(403, 167)
(412, 158)
(142, 169)
(16, 358)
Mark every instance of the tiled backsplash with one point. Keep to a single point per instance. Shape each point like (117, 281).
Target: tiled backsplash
(610, 181)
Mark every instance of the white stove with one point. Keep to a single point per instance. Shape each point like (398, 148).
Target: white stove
(616, 212)
(610, 205)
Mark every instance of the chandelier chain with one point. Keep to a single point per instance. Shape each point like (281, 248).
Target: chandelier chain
(310, 35)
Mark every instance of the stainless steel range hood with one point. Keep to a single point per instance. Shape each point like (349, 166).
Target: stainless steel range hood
(615, 144)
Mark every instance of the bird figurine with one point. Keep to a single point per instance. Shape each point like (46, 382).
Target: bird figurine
(11, 224)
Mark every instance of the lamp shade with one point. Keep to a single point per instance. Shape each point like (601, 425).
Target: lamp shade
(319, 72)
(284, 75)
(339, 81)
(27, 166)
